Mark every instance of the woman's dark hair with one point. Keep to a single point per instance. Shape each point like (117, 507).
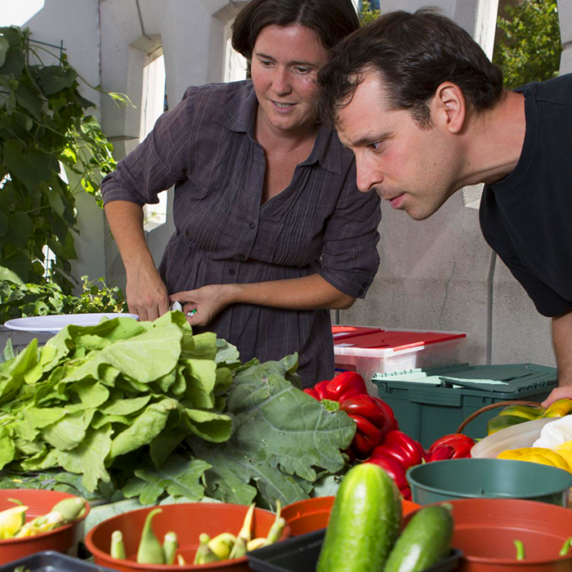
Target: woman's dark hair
(413, 54)
(332, 20)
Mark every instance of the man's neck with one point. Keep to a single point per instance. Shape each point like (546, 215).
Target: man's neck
(495, 140)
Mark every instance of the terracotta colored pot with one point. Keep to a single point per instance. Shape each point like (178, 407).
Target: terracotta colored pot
(188, 520)
(39, 502)
(485, 531)
(312, 514)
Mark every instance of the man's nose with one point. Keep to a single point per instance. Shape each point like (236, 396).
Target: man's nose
(368, 174)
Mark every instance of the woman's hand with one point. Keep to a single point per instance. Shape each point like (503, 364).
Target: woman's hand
(208, 301)
(146, 294)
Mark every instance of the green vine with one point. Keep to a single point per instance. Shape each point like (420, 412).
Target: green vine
(43, 125)
(367, 14)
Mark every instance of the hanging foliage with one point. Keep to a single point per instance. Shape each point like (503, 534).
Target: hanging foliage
(42, 126)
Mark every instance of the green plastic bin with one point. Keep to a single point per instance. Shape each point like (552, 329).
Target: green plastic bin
(488, 478)
(433, 402)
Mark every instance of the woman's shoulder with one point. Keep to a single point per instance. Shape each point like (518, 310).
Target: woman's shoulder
(217, 94)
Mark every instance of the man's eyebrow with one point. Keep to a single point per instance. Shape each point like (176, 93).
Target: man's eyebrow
(370, 139)
(293, 63)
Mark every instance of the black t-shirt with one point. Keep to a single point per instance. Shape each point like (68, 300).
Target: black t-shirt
(527, 217)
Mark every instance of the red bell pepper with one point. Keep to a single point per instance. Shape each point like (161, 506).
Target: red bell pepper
(402, 448)
(396, 471)
(453, 446)
(373, 417)
(343, 386)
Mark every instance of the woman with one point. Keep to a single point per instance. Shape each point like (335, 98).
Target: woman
(271, 231)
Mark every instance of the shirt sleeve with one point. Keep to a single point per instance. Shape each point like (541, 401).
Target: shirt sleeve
(547, 301)
(157, 163)
(349, 256)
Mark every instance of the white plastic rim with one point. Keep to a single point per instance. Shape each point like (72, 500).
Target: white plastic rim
(521, 435)
(56, 323)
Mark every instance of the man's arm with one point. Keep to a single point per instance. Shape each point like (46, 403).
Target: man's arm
(562, 339)
(146, 294)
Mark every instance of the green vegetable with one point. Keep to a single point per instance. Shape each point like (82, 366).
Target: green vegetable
(566, 548)
(117, 545)
(519, 549)
(170, 545)
(204, 554)
(364, 522)
(150, 550)
(425, 541)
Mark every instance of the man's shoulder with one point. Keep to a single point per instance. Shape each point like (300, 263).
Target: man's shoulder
(557, 90)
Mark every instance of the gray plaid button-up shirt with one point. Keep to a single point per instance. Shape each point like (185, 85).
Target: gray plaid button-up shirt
(320, 223)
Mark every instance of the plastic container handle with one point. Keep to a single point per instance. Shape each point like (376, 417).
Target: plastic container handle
(494, 406)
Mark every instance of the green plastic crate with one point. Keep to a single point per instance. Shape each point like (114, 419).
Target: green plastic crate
(433, 402)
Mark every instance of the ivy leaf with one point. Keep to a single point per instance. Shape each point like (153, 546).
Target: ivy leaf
(14, 63)
(21, 226)
(3, 224)
(32, 167)
(29, 99)
(4, 46)
(12, 34)
(16, 268)
(56, 78)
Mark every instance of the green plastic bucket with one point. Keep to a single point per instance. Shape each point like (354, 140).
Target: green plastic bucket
(488, 478)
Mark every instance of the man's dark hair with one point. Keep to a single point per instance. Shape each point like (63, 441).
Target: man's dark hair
(414, 54)
(332, 20)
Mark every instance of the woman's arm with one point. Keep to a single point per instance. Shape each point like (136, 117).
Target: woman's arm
(146, 293)
(307, 293)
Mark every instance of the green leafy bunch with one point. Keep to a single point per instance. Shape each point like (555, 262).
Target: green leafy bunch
(25, 300)
(367, 14)
(143, 411)
(43, 125)
(529, 47)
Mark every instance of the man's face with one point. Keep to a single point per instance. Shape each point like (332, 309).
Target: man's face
(412, 167)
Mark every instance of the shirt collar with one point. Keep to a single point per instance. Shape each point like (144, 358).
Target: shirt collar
(239, 115)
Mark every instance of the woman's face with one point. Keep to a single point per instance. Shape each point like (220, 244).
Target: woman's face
(285, 64)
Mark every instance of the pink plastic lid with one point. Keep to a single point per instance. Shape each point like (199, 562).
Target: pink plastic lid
(400, 339)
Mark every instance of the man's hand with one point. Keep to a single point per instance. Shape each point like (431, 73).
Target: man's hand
(146, 294)
(564, 392)
(208, 301)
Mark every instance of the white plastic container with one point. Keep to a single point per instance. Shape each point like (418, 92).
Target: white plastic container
(390, 351)
(515, 437)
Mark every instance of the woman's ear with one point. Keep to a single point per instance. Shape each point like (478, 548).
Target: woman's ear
(448, 107)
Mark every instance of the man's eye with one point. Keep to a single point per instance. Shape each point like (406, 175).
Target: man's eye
(375, 146)
(302, 70)
(266, 63)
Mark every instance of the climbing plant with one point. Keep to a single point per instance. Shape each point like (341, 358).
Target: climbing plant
(367, 14)
(529, 46)
(43, 126)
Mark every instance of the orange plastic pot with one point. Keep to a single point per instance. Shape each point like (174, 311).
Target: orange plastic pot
(39, 502)
(485, 531)
(188, 520)
(312, 514)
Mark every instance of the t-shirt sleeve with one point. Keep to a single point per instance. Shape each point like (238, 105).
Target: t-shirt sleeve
(349, 256)
(157, 163)
(547, 301)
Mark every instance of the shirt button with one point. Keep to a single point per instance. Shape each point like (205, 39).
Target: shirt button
(364, 284)
(232, 271)
(241, 257)
(360, 292)
(251, 226)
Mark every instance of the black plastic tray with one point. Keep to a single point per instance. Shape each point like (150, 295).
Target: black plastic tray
(300, 554)
(51, 561)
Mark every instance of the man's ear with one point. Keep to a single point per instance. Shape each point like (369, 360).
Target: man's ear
(448, 107)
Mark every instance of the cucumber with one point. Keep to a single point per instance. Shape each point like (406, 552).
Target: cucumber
(364, 523)
(425, 541)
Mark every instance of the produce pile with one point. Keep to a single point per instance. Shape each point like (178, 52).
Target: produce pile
(378, 439)
(149, 410)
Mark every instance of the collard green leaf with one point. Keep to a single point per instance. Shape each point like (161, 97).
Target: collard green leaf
(121, 406)
(89, 457)
(164, 444)
(177, 477)
(271, 447)
(69, 431)
(7, 447)
(145, 428)
(91, 394)
(208, 425)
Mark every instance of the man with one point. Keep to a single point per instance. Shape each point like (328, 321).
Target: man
(424, 111)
